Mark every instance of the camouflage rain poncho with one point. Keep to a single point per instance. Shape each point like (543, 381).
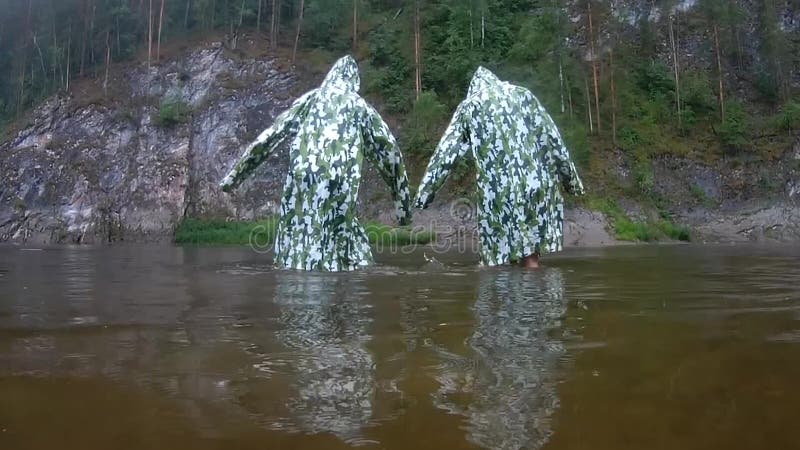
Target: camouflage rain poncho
(332, 129)
(520, 160)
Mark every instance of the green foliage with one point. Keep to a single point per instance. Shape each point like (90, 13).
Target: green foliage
(626, 229)
(262, 233)
(789, 117)
(654, 78)
(424, 125)
(733, 131)
(767, 84)
(222, 232)
(172, 112)
(699, 195)
(384, 235)
(697, 94)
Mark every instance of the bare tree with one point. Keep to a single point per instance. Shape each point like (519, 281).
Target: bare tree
(69, 52)
(613, 98)
(275, 25)
(149, 33)
(417, 68)
(186, 14)
(108, 61)
(588, 105)
(258, 16)
(355, 25)
(160, 26)
(719, 71)
(297, 36)
(673, 38)
(594, 65)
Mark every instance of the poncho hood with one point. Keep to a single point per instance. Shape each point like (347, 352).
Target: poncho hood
(483, 79)
(343, 76)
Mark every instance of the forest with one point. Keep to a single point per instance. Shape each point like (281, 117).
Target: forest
(700, 78)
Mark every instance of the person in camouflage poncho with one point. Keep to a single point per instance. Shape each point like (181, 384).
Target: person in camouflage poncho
(332, 130)
(521, 159)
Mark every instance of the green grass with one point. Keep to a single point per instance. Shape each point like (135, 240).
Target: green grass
(386, 235)
(221, 232)
(262, 232)
(626, 229)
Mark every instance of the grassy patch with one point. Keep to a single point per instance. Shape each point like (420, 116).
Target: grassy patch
(626, 229)
(262, 233)
(386, 235)
(171, 113)
(222, 232)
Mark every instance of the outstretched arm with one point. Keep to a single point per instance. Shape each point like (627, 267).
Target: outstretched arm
(553, 144)
(453, 144)
(285, 125)
(381, 148)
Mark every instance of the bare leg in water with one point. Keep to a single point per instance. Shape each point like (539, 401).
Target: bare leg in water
(530, 261)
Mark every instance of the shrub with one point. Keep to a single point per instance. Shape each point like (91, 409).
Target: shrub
(697, 93)
(424, 124)
(654, 78)
(789, 117)
(222, 232)
(732, 132)
(172, 112)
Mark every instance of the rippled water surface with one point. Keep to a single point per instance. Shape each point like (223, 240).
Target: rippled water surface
(659, 347)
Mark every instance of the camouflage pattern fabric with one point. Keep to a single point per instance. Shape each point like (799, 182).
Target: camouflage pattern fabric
(332, 130)
(520, 158)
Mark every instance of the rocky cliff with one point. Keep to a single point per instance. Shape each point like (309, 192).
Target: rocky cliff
(128, 163)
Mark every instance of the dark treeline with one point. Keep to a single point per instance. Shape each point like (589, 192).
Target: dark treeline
(644, 77)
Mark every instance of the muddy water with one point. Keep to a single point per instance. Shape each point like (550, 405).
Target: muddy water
(662, 347)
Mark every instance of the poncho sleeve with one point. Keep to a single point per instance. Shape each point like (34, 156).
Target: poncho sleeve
(285, 125)
(454, 144)
(554, 145)
(380, 147)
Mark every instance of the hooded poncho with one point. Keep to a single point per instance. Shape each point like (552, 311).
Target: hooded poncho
(520, 158)
(332, 129)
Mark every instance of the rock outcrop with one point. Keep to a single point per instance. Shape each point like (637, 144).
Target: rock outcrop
(130, 163)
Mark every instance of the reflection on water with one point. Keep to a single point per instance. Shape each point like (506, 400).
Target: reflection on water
(511, 376)
(160, 347)
(324, 320)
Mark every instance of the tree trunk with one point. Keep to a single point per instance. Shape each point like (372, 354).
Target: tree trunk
(417, 69)
(149, 33)
(91, 34)
(56, 54)
(69, 52)
(273, 31)
(471, 31)
(297, 36)
(594, 67)
(613, 99)
(41, 57)
(355, 25)
(241, 13)
(160, 27)
(588, 105)
(674, 47)
(83, 39)
(569, 98)
(258, 16)
(108, 62)
(719, 71)
(483, 25)
(186, 14)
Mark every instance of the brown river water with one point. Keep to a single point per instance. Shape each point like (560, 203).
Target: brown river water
(641, 347)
